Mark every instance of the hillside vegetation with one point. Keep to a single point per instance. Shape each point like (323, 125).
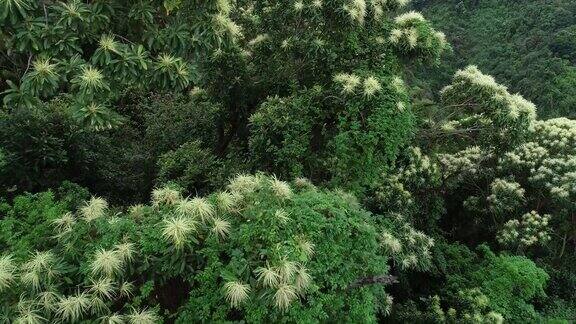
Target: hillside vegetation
(529, 46)
(283, 161)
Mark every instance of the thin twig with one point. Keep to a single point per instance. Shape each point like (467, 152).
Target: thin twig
(124, 38)
(563, 247)
(28, 65)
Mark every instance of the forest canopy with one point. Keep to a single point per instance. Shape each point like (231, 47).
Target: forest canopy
(280, 161)
(527, 45)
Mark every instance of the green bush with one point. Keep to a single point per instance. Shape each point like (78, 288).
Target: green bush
(510, 284)
(345, 139)
(26, 222)
(171, 120)
(190, 167)
(45, 146)
(564, 43)
(263, 250)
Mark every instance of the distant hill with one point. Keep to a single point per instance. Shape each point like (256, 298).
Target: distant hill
(530, 46)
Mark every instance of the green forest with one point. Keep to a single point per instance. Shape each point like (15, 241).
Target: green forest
(287, 161)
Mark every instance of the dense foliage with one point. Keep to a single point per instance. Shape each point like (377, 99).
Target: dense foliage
(285, 161)
(264, 247)
(528, 45)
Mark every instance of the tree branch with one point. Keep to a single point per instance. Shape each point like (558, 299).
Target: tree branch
(383, 280)
(28, 65)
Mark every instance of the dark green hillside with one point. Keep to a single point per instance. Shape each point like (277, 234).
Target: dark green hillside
(529, 46)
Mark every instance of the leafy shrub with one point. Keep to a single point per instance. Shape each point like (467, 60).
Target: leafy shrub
(341, 115)
(342, 141)
(190, 167)
(563, 44)
(169, 121)
(44, 146)
(26, 223)
(3, 161)
(262, 250)
(96, 50)
(509, 283)
(480, 288)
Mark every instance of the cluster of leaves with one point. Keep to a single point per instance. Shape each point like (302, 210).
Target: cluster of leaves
(494, 174)
(325, 106)
(247, 68)
(480, 288)
(262, 250)
(83, 49)
(174, 97)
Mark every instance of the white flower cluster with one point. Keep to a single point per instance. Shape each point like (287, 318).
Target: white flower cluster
(38, 275)
(390, 243)
(468, 123)
(93, 209)
(298, 5)
(532, 229)
(409, 248)
(392, 194)
(409, 17)
(90, 211)
(463, 164)
(566, 187)
(519, 107)
(258, 39)
(513, 106)
(449, 126)
(394, 189)
(398, 84)
(224, 25)
(288, 279)
(416, 249)
(505, 196)
(349, 82)
(478, 310)
(358, 9)
(549, 160)
(471, 74)
(523, 158)
(371, 86)
(558, 135)
(498, 113)
(165, 196)
(557, 175)
(378, 6)
(8, 271)
(408, 36)
(420, 170)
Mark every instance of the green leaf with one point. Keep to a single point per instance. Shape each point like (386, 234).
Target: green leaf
(170, 5)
